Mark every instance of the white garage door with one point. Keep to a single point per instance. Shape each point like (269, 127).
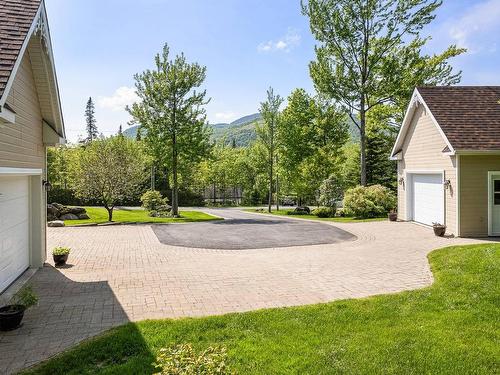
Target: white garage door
(14, 229)
(428, 198)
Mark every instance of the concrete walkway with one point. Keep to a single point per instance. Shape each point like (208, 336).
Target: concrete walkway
(123, 273)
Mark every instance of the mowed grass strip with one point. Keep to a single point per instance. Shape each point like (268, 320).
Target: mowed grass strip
(346, 219)
(451, 327)
(99, 215)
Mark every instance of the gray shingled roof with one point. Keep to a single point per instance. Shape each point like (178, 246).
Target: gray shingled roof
(468, 115)
(16, 18)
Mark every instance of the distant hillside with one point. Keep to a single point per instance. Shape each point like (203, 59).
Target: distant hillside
(131, 132)
(242, 131)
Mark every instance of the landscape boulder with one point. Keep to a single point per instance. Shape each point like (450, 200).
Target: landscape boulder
(302, 210)
(68, 217)
(77, 210)
(56, 224)
(59, 212)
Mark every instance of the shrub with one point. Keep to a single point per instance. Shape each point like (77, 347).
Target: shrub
(330, 192)
(25, 297)
(61, 251)
(366, 202)
(324, 212)
(182, 359)
(152, 200)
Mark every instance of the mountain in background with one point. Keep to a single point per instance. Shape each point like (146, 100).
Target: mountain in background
(131, 132)
(241, 131)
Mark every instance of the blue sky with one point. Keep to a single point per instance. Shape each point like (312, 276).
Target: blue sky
(247, 46)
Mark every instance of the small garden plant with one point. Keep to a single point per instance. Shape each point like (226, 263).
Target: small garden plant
(182, 359)
(61, 251)
(25, 297)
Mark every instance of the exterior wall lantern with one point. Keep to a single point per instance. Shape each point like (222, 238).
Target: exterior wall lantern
(447, 184)
(47, 185)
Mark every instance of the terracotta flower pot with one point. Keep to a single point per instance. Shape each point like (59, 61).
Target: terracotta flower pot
(60, 260)
(11, 317)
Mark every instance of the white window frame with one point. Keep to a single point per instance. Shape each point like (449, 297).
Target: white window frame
(491, 174)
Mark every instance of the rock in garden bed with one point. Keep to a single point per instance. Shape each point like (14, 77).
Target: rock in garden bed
(58, 212)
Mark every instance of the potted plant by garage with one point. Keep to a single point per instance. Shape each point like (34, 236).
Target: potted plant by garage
(439, 229)
(11, 315)
(60, 255)
(393, 215)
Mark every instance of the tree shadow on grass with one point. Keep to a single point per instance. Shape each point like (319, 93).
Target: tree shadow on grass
(69, 313)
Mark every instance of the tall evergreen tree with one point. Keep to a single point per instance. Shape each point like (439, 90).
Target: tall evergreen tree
(172, 114)
(91, 123)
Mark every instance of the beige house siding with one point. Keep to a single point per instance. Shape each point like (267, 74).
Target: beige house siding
(422, 151)
(474, 193)
(21, 144)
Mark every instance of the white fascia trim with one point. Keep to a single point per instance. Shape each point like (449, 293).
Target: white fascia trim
(409, 112)
(13, 74)
(45, 22)
(458, 193)
(478, 152)
(415, 100)
(7, 116)
(7, 171)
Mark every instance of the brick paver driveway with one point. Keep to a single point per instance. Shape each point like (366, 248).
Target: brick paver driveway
(123, 273)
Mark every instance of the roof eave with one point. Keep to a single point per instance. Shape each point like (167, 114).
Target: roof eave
(416, 99)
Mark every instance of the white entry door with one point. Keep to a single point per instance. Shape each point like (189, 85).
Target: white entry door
(495, 205)
(428, 198)
(14, 229)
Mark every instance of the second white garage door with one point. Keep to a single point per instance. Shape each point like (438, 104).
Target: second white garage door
(14, 229)
(428, 198)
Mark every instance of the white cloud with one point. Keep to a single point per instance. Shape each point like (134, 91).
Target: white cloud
(225, 116)
(286, 43)
(478, 29)
(122, 97)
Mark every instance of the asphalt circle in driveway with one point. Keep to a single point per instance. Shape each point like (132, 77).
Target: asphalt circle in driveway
(240, 230)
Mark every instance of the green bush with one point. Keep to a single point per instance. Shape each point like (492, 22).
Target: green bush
(61, 251)
(367, 202)
(324, 212)
(152, 200)
(182, 359)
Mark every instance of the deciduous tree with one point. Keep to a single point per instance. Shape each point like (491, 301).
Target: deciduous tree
(108, 170)
(267, 132)
(171, 113)
(369, 54)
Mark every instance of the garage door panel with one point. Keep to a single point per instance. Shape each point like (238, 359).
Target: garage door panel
(13, 212)
(428, 198)
(14, 228)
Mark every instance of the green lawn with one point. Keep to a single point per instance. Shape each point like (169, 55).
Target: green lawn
(313, 217)
(451, 327)
(99, 215)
